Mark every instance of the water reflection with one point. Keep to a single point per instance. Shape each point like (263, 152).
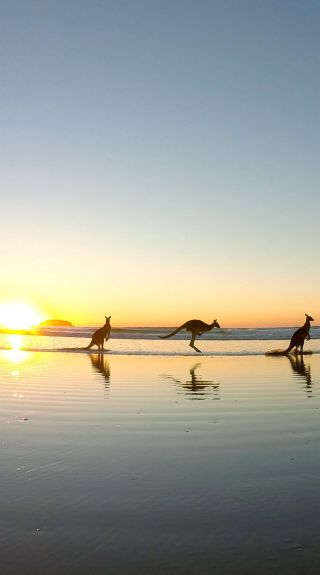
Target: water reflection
(16, 354)
(301, 370)
(195, 387)
(100, 365)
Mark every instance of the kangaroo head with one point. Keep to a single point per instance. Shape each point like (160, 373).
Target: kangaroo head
(108, 318)
(309, 317)
(215, 324)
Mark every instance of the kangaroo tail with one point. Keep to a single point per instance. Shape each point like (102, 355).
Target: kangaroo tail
(281, 351)
(289, 348)
(90, 345)
(173, 332)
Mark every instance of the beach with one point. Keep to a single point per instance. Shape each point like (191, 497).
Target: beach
(146, 463)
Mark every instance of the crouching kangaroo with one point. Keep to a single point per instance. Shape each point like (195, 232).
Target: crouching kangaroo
(196, 327)
(299, 336)
(101, 334)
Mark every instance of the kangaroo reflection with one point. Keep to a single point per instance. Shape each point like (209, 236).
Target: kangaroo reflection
(301, 370)
(195, 387)
(100, 364)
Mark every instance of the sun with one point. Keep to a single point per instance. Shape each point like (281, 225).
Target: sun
(19, 316)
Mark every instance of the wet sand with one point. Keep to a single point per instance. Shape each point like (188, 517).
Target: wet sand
(145, 465)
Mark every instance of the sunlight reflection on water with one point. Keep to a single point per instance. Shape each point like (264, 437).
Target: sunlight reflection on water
(15, 354)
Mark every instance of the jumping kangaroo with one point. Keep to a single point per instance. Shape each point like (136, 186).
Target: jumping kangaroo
(101, 334)
(299, 336)
(197, 327)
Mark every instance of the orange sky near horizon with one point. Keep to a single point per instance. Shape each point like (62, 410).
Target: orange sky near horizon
(157, 292)
(150, 315)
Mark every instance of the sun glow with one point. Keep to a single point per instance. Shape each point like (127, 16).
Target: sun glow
(19, 316)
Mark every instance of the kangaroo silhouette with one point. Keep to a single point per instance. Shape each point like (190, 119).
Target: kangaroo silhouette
(196, 327)
(103, 333)
(299, 336)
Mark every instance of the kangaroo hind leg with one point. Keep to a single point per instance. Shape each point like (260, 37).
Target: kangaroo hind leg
(192, 342)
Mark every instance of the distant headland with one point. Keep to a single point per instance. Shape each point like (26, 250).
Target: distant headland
(55, 322)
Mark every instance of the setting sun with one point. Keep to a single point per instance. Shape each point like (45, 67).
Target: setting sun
(18, 316)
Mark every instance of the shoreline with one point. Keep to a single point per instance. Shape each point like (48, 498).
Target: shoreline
(110, 352)
(150, 346)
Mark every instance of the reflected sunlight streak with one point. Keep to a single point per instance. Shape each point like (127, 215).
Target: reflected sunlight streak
(16, 354)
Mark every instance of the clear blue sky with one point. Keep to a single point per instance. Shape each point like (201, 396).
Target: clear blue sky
(160, 159)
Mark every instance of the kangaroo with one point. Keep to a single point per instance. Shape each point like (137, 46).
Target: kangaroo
(299, 336)
(196, 327)
(101, 334)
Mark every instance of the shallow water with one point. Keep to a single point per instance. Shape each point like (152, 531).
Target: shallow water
(153, 464)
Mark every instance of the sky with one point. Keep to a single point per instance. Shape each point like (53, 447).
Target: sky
(160, 160)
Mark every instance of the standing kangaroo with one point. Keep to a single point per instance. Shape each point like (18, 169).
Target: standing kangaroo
(196, 327)
(299, 336)
(101, 334)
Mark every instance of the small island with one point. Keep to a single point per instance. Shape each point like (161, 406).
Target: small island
(55, 322)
